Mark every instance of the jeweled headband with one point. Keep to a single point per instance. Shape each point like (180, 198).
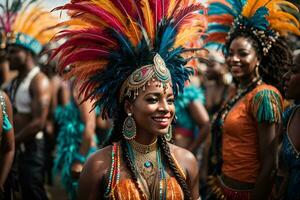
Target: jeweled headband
(142, 77)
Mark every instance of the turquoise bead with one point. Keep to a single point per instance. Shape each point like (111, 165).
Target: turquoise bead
(147, 164)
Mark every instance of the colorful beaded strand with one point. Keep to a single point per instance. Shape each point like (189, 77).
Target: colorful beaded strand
(108, 189)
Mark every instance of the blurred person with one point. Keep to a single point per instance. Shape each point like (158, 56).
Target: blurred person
(30, 92)
(244, 130)
(192, 121)
(217, 82)
(288, 176)
(48, 67)
(76, 138)
(7, 140)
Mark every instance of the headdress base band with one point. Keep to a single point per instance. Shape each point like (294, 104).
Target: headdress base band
(141, 77)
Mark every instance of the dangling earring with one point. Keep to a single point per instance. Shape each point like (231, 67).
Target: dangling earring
(168, 135)
(129, 127)
(257, 70)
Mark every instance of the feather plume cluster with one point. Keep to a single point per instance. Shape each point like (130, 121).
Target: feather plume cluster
(8, 13)
(263, 18)
(106, 40)
(29, 19)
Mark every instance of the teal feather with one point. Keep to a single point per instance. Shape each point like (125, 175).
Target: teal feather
(68, 143)
(219, 8)
(267, 106)
(213, 28)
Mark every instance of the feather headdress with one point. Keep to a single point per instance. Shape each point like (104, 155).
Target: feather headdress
(110, 40)
(264, 19)
(27, 24)
(8, 14)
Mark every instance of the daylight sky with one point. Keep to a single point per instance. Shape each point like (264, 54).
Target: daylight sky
(53, 3)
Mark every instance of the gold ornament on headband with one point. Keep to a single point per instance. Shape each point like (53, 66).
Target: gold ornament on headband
(142, 77)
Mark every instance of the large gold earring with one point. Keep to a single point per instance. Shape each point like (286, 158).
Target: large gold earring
(129, 127)
(168, 136)
(257, 70)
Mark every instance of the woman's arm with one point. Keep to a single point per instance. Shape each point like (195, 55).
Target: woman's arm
(267, 155)
(201, 118)
(88, 117)
(7, 145)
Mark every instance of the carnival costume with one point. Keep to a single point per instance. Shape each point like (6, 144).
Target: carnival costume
(28, 25)
(290, 159)
(70, 129)
(234, 130)
(115, 50)
(185, 125)
(6, 126)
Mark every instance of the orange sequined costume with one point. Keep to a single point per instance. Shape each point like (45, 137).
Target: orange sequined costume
(125, 189)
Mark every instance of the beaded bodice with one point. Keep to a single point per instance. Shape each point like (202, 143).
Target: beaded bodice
(290, 157)
(125, 189)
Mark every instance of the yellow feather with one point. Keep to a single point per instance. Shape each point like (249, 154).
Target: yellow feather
(149, 22)
(275, 5)
(75, 22)
(131, 32)
(284, 28)
(171, 7)
(186, 34)
(111, 8)
(260, 3)
(284, 17)
(248, 8)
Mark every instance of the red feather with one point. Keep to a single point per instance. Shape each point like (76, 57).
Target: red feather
(218, 37)
(108, 18)
(157, 7)
(225, 19)
(182, 16)
(85, 54)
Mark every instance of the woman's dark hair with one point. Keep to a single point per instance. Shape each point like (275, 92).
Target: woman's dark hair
(273, 65)
(3, 55)
(117, 136)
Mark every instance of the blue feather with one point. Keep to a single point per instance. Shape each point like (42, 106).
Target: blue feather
(219, 8)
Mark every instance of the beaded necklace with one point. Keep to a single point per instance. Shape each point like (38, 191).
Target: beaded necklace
(217, 124)
(114, 175)
(160, 167)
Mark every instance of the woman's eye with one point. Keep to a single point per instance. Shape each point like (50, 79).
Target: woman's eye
(171, 101)
(152, 100)
(243, 54)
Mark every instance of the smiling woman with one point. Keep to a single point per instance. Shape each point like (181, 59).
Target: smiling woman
(129, 60)
(244, 130)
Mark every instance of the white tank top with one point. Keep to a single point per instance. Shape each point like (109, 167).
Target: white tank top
(22, 99)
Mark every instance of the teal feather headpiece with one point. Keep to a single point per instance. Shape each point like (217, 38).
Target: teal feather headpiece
(265, 20)
(26, 24)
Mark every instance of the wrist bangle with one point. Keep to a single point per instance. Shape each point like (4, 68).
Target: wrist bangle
(80, 158)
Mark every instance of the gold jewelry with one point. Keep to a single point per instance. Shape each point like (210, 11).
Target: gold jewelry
(145, 160)
(129, 127)
(143, 149)
(257, 70)
(141, 77)
(168, 136)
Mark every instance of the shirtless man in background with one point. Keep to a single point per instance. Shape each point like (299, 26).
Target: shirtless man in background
(30, 93)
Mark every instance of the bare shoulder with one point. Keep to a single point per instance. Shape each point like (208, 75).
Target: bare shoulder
(40, 81)
(99, 162)
(185, 158)
(92, 178)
